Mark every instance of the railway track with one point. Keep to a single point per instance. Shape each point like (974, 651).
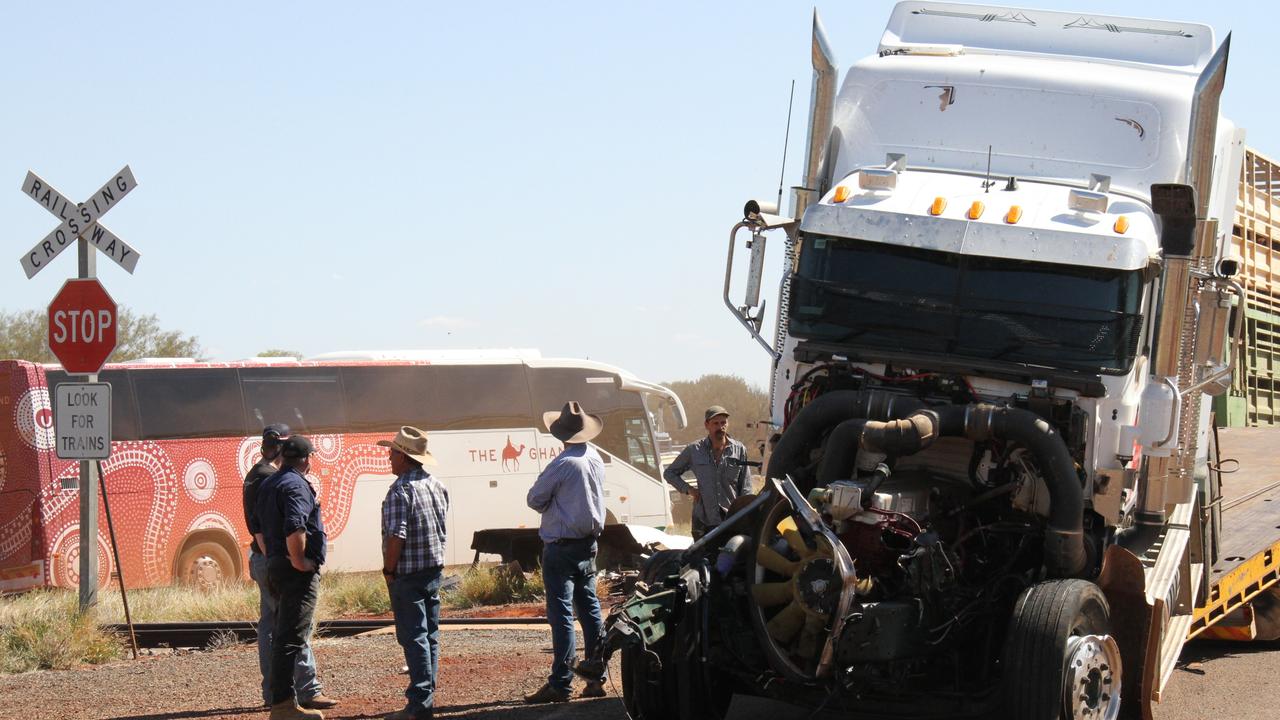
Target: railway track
(203, 634)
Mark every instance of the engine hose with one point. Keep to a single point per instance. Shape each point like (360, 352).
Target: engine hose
(1064, 547)
(840, 453)
(829, 410)
(907, 436)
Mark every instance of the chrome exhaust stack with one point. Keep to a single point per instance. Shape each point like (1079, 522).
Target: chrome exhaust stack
(822, 102)
(1189, 265)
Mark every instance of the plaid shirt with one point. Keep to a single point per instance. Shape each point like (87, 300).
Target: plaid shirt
(415, 510)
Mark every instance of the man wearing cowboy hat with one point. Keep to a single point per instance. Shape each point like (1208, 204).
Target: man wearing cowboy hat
(413, 537)
(719, 463)
(569, 494)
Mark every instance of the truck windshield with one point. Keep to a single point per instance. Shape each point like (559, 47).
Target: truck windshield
(907, 300)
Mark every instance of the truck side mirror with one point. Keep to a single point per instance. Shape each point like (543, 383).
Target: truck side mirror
(1176, 205)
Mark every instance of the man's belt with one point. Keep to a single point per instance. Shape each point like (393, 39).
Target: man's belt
(572, 541)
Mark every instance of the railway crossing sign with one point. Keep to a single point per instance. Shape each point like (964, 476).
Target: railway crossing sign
(82, 326)
(82, 420)
(79, 220)
(82, 334)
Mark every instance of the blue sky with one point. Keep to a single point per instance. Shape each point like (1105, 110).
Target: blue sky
(324, 176)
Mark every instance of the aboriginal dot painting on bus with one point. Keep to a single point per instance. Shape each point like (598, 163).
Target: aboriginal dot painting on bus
(185, 434)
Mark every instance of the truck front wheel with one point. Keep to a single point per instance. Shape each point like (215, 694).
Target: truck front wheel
(1061, 662)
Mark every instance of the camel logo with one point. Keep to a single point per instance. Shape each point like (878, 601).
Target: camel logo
(511, 454)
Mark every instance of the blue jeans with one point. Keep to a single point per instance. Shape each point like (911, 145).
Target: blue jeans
(569, 577)
(304, 670)
(415, 600)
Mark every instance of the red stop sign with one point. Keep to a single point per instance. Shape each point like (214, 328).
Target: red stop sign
(82, 326)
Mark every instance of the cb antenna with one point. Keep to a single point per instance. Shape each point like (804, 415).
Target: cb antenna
(986, 184)
(786, 139)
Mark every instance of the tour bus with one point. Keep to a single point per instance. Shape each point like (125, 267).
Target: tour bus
(185, 433)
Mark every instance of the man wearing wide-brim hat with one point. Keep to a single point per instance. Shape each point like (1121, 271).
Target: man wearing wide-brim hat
(569, 493)
(413, 538)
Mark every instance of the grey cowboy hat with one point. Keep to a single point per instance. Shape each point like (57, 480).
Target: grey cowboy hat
(412, 442)
(572, 424)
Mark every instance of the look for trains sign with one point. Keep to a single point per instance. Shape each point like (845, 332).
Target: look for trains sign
(82, 326)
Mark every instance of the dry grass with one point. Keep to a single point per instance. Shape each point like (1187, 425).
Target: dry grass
(343, 594)
(43, 631)
(493, 586)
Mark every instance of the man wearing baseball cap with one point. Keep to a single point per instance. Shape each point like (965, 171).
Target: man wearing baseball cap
(719, 464)
(293, 533)
(305, 681)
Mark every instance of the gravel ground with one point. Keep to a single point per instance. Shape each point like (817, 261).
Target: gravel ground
(483, 674)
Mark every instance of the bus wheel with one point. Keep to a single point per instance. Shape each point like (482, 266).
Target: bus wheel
(1060, 659)
(206, 565)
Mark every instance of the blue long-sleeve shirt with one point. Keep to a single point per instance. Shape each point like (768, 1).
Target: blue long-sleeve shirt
(286, 504)
(569, 493)
(720, 481)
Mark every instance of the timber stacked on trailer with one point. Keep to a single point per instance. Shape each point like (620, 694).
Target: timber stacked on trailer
(1254, 398)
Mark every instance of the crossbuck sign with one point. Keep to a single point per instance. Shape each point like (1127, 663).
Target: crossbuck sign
(79, 220)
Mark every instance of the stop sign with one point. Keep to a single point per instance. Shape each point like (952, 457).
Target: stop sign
(82, 326)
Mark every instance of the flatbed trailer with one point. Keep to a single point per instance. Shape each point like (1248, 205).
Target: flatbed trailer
(1248, 561)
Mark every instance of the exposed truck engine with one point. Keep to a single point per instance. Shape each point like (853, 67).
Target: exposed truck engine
(1007, 301)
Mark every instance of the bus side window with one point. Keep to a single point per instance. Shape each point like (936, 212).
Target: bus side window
(188, 404)
(382, 398)
(124, 411)
(481, 397)
(309, 400)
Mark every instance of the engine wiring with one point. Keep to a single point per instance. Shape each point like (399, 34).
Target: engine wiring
(821, 378)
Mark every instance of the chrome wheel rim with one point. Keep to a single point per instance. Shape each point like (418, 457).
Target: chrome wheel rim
(1091, 678)
(205, 572)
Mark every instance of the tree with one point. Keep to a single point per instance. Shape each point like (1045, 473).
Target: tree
(746, 403)
(24, 335)
(276, 352)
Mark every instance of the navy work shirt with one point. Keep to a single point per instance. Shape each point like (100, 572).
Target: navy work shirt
(252, 485)
(286, 504)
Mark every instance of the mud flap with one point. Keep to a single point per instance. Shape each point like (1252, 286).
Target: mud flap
(1137, 625)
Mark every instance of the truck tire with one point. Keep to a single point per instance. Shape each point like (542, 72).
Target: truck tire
(650, 689)
(1060, 661)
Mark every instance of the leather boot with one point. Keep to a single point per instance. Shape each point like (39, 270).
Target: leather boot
(289, 710)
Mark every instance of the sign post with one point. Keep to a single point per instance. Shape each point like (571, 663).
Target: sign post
(82, 334)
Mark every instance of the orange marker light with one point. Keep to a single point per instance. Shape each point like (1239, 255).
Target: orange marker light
(1122, 224)
(975, 210)
(1014, 215)
(939, 204)
(842, 193)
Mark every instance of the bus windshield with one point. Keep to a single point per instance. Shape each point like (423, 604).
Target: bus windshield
(878, 296)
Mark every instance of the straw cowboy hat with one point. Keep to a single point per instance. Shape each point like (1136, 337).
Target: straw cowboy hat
(412, 442)
(572, 424)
